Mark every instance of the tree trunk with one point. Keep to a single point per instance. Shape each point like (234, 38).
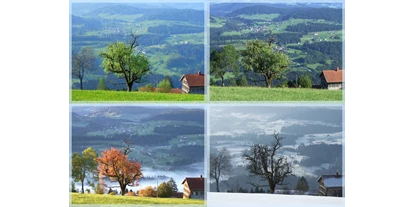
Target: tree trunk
(222, 81)
(81, 83)
(82, 186)
(272, 187)
(268, 81)
(217, 185)
(122, 189)
(130, 86)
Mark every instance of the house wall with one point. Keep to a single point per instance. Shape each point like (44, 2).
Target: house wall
(197, 90)
(334, 86)
(335, 192)
(187, 191)
(185, 88)
(197, 194)
(324, 84)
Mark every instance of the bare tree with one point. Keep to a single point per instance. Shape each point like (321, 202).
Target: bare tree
(82, 63)
(262, 161)
(220, 165)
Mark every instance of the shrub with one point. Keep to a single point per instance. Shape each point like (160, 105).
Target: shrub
(99, 189)
(101, 84)
(305, 81)
(242, 81)
(148, 192)
(130, 193)
(164, 190)
(147, 88)
(112, 193)
(164, 86)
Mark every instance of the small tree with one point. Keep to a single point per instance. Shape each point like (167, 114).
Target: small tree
(305, 81)
(220, 165)
(242, 81)
(164, 86)
(84, 165)
(302, 185)
(82, 63)
(148, 192)
(173, 184)
(164, 190)
(101, 84)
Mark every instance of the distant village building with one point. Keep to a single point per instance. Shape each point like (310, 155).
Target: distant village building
(332, 79)
(331, 185)
(193, 187)
(193, 83)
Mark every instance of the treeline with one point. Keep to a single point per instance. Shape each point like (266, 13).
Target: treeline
(318, 154)
(217, 39)
(187, 155)
(329, 14)
(312, 27)
(329, 54)
(179, 130)
(175, 29)
(186, 15)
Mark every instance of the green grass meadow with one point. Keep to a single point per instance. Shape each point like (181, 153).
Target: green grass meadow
(272, 94)
(78, 198)
(110, 96)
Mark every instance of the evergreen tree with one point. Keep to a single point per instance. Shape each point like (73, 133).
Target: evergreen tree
(302, 185)
(172, 184)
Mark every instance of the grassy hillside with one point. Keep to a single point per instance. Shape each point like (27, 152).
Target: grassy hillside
(78, 198)
(272, 94)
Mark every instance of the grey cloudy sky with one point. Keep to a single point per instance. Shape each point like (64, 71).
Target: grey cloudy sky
(239, 120)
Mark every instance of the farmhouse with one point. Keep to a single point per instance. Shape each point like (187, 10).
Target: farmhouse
(193, 187)
(331, 185)
(332, 79)
(193, 83)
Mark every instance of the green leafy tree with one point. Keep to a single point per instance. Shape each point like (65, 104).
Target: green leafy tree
(305, 81)
(164, 86)
(82, 63)
(263, 161)
(84, 165)
(302, 185)
(242, 81)
(173, 185)
(260, 57)
(220, 165)
(225, 61)
(101, 84)
(122, 60)
(164, 190)
(168, 78)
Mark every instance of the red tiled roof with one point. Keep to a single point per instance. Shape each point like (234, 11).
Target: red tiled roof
(194, 79)
(195, 183)
(333, 76)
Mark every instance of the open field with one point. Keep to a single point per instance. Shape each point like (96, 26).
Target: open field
(272, 94)
(78, 198)
(97, 95)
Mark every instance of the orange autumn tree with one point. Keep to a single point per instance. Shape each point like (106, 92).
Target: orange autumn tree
(115, 165)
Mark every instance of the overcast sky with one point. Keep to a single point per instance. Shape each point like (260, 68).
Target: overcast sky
(239, 120)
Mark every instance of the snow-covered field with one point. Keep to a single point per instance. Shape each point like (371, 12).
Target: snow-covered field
(263, 200)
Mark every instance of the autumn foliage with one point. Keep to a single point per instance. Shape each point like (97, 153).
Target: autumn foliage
(115, 164)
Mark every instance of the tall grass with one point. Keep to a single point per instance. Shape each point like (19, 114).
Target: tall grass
(97, 95)
(272, 94)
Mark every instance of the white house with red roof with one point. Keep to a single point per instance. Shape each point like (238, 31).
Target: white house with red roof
(193, 187)
(332, 79)
(193, 83)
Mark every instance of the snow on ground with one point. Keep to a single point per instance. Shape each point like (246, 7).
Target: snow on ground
(263, 200)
